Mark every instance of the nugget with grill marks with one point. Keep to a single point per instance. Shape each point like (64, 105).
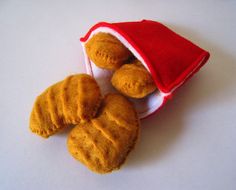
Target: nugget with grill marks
(103, 143)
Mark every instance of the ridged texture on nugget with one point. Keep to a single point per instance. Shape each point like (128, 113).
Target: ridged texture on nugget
(103, 143)
(106, 51)
(133, 80)
(71, 101)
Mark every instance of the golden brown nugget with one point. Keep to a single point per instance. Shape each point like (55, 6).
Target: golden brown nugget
(103, 143)
(106, 51)
(133, 80)
(71, 101)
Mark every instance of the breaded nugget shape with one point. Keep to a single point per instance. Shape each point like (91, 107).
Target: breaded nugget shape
(133, 80)
(71, 101)
(106, 51)
(103, 143)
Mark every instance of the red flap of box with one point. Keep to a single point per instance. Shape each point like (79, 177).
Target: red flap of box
(170, 58)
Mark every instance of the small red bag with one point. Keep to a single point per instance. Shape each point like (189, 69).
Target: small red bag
(170, 58)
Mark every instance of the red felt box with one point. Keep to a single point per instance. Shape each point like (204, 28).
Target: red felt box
(170, 58)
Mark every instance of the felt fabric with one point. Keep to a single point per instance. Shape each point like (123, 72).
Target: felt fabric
(170, 58)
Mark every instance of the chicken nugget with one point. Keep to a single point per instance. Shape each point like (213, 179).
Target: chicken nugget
(103, 143)
(106, 51)
(71, 101)
(133, 80)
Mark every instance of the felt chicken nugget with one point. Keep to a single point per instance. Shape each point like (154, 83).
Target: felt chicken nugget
(71, 101)
(106, 51)
(133, 80)
(80, 98)
(103, 143)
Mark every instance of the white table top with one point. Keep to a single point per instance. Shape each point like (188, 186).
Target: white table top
(189, 144)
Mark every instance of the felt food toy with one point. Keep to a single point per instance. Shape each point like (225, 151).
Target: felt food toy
(103, 143)
(169, 58)
(71, 101)
(106, 51)
(133, 80)
(144, 60)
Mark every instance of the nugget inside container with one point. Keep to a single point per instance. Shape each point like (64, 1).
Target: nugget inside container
(170, 59)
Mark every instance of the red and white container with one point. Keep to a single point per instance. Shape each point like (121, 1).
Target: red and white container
(170, 58)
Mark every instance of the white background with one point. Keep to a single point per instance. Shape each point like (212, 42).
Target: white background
(189, 144)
